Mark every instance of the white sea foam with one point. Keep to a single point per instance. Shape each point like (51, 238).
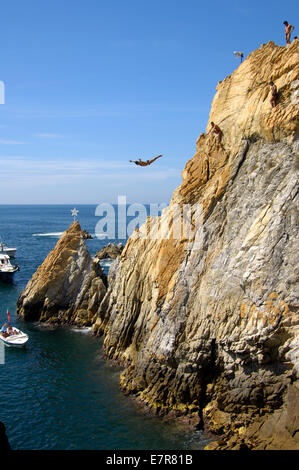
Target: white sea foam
(106, 262)
(50, 234)
(82, 330)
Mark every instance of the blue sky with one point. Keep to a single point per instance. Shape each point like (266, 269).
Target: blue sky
(91, 84)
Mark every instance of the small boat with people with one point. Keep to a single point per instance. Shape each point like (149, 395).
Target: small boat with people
(13, 337)
(5, 250)
(7, 270)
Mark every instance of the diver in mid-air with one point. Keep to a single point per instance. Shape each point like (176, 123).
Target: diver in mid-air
(146, 163)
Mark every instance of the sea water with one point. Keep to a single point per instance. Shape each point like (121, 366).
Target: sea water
(59, 392)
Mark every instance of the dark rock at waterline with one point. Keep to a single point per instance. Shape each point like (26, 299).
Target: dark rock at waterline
(111, 251)
(4, 444)
(86, 235)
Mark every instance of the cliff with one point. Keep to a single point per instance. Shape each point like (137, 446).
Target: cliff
(202, 303)
(68, 287)
(206, 324)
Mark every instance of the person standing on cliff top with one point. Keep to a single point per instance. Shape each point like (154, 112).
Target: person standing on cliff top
(217, 131)
(288, 31)
(274, 94)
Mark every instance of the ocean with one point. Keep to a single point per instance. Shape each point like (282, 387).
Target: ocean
(59, 392)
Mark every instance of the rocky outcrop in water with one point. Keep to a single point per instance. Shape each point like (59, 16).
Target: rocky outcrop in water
(86, 235)
(110, 251)
(68, 287)
(207, 326)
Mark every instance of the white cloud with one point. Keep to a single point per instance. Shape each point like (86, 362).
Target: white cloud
(10, 142)
(48, 135)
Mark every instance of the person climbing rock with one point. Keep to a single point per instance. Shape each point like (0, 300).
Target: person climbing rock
(288, 31)
(217, 131)
(274, 94)
(146, 163)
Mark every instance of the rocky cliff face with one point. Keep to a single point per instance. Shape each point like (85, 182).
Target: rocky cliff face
(207, 325)
(68, 287)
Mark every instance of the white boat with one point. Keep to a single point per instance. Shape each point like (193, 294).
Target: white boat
(17, 340)
(4, 250)
(7, 270)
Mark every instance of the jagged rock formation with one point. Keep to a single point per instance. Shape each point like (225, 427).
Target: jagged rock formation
(68, 287)
(110, 251)
(207, 325)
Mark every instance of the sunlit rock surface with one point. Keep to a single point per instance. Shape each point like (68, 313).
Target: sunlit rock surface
(68, 287)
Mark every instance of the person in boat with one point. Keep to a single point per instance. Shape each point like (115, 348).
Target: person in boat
(3, 331)
(146, 163)
(217, 131)
(10, 331)
(288, 31)
(3, 328)
(274, 94)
